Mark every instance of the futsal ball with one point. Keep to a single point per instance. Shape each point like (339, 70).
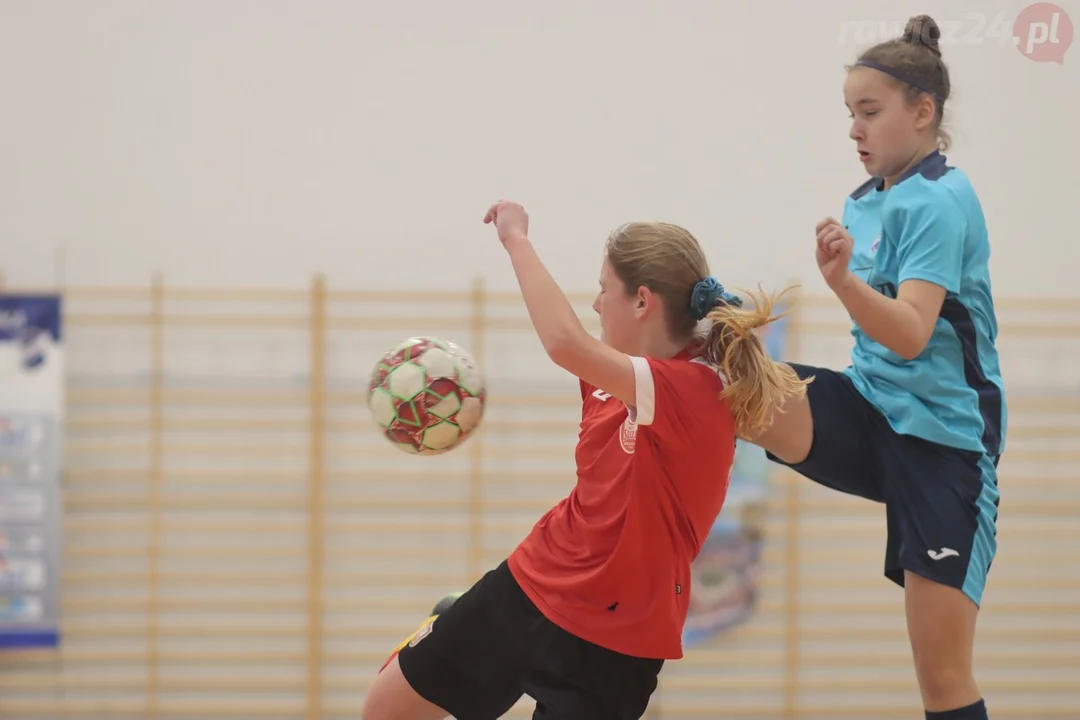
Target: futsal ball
(426, 395)
(444, 604)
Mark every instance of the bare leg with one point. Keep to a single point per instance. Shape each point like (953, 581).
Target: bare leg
(941, 625)
(392, 698)
(791, 434)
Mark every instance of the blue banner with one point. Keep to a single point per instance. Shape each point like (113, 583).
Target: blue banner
(727, 571)
(31, 422)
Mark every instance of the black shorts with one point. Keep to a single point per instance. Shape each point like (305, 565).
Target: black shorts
(941, 503)
(493, 646)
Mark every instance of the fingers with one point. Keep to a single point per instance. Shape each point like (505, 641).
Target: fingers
(824, 235)
(833, 239)
(828, 232)
(824, 224)
(836, 246)
(492, 215)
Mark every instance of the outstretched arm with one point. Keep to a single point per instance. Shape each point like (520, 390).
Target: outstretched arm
(563, 336)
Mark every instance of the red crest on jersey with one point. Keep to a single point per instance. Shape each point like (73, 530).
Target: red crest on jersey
(628, 436)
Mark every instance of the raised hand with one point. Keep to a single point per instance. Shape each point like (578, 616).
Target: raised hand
(834, 246)
(510, 219)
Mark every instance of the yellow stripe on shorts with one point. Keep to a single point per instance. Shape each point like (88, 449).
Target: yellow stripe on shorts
(415, 632)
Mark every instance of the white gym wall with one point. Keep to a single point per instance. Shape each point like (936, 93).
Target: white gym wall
(254, 143)
(235, 143)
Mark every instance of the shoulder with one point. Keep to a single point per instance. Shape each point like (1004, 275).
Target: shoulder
(679, 400)
(933, 185)
(918, 201)
(683, 374)
(918, 191)
(677, 385)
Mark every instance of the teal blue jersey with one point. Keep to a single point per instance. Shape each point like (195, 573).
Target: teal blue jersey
(930, 226)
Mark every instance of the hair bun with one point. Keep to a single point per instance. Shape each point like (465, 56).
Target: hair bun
(922, 30)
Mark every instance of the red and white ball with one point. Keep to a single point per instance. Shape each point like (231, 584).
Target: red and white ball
(427, 395)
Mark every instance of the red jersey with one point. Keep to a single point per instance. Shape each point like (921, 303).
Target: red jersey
(611, 562)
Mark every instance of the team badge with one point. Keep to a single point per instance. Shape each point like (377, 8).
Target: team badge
(422, 633)
(628, 436)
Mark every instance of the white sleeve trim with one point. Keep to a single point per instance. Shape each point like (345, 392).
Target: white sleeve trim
(644, 390)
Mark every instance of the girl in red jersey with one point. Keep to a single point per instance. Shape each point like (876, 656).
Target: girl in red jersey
(584, 612)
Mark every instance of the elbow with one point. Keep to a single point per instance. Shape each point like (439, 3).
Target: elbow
(909, 353)
(912, 346)
(911, 335)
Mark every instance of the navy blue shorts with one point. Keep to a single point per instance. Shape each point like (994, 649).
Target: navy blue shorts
(940, 502)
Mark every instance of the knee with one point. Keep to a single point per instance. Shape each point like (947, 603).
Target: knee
(942, 682)
(941, 623)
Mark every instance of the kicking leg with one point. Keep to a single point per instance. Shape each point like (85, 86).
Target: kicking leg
(827, 435)
(791, 435)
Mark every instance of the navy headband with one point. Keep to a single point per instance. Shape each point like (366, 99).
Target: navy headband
(902, 77)
(708, 293)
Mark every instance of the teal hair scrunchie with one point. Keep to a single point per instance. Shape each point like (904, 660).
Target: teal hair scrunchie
(707, 294)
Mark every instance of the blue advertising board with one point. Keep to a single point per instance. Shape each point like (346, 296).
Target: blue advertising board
(31, 423)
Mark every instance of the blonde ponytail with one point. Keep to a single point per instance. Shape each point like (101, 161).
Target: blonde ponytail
(756, 385)
(668, 260)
